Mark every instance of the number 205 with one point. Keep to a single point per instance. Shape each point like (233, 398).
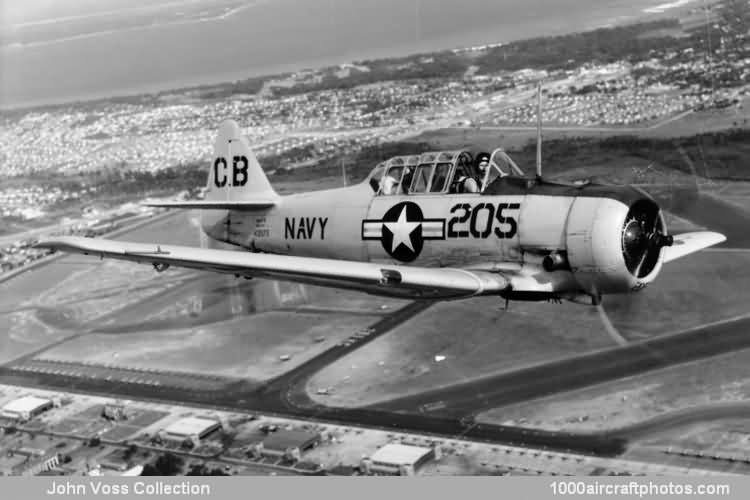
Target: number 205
(466, 221)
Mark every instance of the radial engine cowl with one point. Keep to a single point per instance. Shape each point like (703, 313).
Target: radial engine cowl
(643, 236)
(613, 247)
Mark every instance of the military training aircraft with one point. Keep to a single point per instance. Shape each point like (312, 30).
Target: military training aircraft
(441, 225)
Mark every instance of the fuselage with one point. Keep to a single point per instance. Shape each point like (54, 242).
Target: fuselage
(515, 223)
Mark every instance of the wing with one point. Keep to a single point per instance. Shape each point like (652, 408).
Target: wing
(390, 280)
(688, 243)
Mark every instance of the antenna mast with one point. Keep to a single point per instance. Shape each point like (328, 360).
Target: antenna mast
(539, 131)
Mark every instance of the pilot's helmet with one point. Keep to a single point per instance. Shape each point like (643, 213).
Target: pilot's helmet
(483, 160)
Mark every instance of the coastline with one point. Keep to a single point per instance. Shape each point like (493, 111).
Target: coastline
(674, 4)
(95, 34)
(665, 10)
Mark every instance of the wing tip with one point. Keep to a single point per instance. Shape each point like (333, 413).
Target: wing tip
(58, 242)
(688, 243)
(50, 243)
(710, 237)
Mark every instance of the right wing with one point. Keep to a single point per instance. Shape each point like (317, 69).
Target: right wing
(379, 279)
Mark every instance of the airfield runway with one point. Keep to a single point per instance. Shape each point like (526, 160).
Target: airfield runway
(476, 396)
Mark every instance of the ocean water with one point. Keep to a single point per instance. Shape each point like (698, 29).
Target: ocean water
(262, 37)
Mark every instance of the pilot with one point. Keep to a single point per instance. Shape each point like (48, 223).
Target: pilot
(406, 179)
(469, 185)
(464, 183)
(391, 185)
(388, 184)
(482, 163)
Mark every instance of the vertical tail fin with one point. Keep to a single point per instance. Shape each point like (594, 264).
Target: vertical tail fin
(235, 178)
(235, 174)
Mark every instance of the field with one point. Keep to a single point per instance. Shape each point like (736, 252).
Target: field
(23, 333)
(53, 301)
(610, 406)
(477, 338)
(209, 323)
(706, 121)
(736, 193)
(487, 139)
(726, 437)
(9, 226)
(247, 347)
(709, 286)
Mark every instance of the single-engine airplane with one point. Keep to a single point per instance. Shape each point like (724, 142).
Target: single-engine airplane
(410, 230)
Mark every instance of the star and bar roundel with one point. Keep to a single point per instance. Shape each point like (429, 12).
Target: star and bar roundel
(402, 230)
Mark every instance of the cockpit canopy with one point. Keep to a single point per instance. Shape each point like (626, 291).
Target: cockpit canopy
(439, 172)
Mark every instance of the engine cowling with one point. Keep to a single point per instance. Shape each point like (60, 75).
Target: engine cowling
(613, 247)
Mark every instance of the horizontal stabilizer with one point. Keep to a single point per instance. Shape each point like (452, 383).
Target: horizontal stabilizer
(216, 204)
(687, 243)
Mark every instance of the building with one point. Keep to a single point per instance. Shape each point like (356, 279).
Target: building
(398, 459)
(289, 443)
(115, 461)
(30, 454)
(26, 408)
(190, 429)
(114, 411)
(28, 462)
(37, 464)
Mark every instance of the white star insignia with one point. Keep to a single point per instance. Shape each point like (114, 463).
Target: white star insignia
(402, 230)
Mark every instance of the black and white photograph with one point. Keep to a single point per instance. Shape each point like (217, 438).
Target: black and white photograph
(374, 238)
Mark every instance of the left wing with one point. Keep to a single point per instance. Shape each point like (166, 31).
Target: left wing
(687, 243)
(390, 280)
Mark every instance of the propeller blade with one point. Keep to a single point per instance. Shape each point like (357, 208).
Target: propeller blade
(644, 254)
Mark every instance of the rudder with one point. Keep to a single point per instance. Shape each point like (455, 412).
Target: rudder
(235, 174)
